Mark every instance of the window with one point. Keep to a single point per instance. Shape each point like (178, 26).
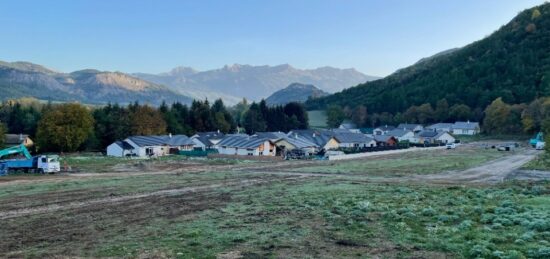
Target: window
(149, 151)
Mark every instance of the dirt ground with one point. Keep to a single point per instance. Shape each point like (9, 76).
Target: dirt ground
(59, 205)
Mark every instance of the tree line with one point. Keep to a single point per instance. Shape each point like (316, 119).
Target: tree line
(71, 126)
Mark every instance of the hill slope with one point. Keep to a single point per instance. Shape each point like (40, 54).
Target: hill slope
(513, 63)
(295, 93)
(22, 79)
(254, 82)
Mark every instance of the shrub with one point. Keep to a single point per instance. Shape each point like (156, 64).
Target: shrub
(543, 252)
(428, 212)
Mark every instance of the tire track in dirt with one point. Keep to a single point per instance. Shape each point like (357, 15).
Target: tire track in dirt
(79, 204)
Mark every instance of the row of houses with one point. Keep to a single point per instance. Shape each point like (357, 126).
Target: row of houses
(260, 144)
(457, 128)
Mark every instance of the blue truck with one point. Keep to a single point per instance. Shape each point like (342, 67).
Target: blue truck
(37, 164)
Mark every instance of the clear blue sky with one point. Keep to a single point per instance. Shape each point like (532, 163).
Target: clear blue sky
(374, 36)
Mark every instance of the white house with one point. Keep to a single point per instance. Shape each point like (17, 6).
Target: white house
(382, 130)
(412, 127)
(403, 135)
(146, 146)
(466, 128)
(120, 149)
(354, 140)
(246, 146)
(447, 127)
(290, 143)
(434, 137)
(323, 138)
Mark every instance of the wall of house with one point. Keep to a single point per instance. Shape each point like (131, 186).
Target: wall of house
(331, 144)
(446, 138)
(115, 150)
(199, 144)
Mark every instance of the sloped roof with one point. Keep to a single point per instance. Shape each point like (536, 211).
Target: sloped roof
(428, 134)
(382, 138)
(440, 126)
(398, 132)
(204, 140)
(318, 137)
(174, 140)
(466, 125)
(299, 142)
(124, 145)
(408, 126)
(348, 125)
(385, 128)
(270, 135)
(242, 142)
(350, 137)
(210, 135)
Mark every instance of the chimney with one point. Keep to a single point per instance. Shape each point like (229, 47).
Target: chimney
(218, 131)
(170, 135)
(295, 135)
(314, 134)
(468, 122)
(20, 136)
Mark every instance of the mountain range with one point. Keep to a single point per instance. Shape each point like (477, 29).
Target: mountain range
(231, 83)
(295, 92)
(512, 63)
(234, 82)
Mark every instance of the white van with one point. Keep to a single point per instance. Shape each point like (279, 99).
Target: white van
(540, 145)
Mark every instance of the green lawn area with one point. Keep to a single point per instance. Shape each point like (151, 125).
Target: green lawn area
(540, 163)
(317, 119)
(308, 219)
(421, 162)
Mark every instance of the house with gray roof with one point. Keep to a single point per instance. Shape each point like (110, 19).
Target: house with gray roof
(349, 126)
(447, 127)
(147, 146)
(412, 127)
(434, 137)
(322, 138)
(207, 140)
(246, 146)
(403, 135)
(353, 140)
(466, 128)
(273, 136)
(382, 130)
(289, 143)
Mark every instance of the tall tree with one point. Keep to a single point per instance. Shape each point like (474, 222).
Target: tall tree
(335, 116)
(496, 117)
(460, 112)
(442, 110)
(425, 113)
(359, 116)
(3, 131)
(64, 127)
(253, 120)
(146, 120)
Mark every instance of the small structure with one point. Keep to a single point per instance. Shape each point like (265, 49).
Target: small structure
(246, 146)
(434, 137)
(445, 127)
(206, 140)
(412, 127)
(287, 144)
(120, 149)
(350, 126)
(324, 139)
(354, 140)
(382, 130)
(466, 128)
(146, 146)
(11, 140)
(385, 140)
(403, 135)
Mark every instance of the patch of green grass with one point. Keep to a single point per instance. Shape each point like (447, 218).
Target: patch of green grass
(540, 163)
(317, 119)
(421, 162)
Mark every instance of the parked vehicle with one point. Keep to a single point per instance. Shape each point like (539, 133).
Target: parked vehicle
(508, 147)
(540, 145)
(451, 146)
(536, 139)
(38, 164)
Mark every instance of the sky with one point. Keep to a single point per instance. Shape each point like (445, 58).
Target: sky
(375, 37)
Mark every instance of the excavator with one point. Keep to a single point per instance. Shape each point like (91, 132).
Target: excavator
(38, 164)
(536, 139)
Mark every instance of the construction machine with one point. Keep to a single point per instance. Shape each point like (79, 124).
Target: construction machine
(536, 139)
(37, 164)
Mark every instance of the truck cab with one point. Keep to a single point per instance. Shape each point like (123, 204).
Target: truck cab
(47, 163)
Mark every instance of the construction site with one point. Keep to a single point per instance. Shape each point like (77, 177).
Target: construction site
(410, 204)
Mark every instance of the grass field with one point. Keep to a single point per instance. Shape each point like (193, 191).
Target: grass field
(317, 119)
(541, 163)
(234, 210)
(422, 162)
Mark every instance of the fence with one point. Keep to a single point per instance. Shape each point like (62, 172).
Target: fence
(198, 153)
(380, 153)
(372, 149)
(255, 158)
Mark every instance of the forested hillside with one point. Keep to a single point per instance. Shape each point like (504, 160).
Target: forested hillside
(512, 63)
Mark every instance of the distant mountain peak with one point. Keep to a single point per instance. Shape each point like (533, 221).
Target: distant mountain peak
(182, 71)
(295, 92)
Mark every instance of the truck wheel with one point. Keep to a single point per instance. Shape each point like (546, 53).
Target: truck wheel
(40, 171)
